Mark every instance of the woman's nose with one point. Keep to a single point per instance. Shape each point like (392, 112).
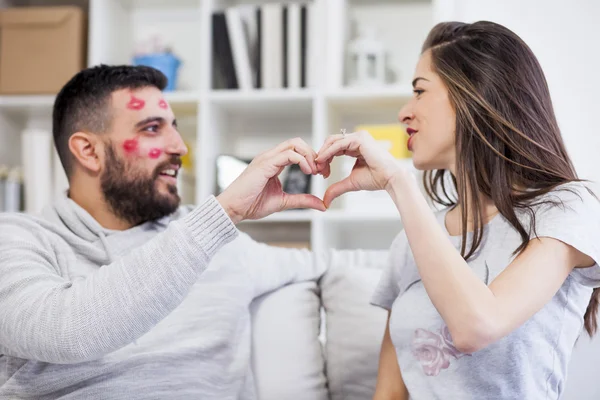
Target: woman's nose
(406, 115)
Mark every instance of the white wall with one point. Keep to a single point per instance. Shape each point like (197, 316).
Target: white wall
(565, 36)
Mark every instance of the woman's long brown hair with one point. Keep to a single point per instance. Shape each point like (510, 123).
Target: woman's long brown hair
(508, 144)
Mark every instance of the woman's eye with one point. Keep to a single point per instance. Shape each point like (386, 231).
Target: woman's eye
(418, 91)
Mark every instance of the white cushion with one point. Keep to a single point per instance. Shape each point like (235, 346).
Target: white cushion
(287, 357)
(354, 328)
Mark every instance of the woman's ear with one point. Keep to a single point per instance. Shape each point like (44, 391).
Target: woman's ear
(87, 150)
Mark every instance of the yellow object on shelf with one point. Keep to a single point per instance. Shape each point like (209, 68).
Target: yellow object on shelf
(394, 135)
(187, 161)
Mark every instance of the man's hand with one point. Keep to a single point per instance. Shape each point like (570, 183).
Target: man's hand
(257, 192)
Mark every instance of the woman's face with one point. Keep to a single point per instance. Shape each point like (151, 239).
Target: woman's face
(430, 120)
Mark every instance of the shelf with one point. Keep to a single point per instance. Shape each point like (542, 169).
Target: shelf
(25, 105)
(370, 98)
(247, 122)
(183, 102)
(160, 4)
(182, 97)
(26, 101)
(286, 216)
(331, 215)
(392, 2)
(341, 215)
(359, 93)
(264, 101)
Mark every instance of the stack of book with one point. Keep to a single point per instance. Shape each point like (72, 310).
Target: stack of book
(269, 46)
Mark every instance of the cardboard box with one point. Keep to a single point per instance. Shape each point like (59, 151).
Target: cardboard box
(41, 48)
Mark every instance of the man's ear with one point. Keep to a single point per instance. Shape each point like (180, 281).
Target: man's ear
(87, 150)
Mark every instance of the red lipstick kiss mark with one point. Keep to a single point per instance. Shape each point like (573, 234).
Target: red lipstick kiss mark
(130, 146)
(163, 104)
(154, 153)
(135, 103)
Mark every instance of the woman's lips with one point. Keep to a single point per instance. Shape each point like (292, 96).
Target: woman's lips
(411, 134)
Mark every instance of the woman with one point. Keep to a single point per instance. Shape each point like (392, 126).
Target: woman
(488, 296)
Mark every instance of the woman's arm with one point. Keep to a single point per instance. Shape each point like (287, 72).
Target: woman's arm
(390, 385)
(476, 314)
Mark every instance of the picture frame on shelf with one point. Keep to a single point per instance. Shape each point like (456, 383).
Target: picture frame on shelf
(296, 181)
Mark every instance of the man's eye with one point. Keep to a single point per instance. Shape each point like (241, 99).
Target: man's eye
(151, 128)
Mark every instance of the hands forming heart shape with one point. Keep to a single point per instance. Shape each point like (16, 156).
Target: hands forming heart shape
(257, 192)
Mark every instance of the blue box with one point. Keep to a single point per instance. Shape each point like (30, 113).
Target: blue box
(166, 63)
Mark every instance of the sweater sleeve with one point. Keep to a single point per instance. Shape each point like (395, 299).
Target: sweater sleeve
(48, 318)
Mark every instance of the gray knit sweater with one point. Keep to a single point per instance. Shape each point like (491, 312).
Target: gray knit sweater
(154, 312)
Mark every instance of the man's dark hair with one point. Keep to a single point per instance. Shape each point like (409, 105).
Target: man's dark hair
(83, 104)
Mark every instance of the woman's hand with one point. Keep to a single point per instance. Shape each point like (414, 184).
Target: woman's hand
(257, 192)
(375, 167)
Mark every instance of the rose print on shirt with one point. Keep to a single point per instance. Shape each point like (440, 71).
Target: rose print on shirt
(434, 350)
(428, 348)
(450, 349)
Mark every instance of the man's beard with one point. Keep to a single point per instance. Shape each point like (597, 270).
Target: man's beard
(134, 197)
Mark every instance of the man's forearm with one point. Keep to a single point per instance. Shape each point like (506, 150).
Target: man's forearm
(47, 318)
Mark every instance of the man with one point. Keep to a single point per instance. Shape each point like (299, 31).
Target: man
(117, 291)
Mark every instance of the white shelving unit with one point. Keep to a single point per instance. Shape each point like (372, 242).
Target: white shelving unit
(244, 123)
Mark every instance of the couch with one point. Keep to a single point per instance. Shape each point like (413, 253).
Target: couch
(321, 340)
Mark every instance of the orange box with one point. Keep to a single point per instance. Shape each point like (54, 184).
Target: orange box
(41, 48)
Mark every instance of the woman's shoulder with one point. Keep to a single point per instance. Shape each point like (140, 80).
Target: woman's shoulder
(573, 199)
(573, 191)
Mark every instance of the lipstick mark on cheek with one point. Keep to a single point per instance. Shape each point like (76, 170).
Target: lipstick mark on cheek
(135, 103)
(130, 146)
(154, 153)
(163, 104)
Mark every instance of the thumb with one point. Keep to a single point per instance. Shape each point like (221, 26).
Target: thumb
(338, 189)
(291, 201)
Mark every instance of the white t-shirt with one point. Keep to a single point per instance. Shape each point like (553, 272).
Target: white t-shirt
(529, 363)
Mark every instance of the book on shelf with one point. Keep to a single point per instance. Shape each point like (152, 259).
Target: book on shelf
(266, 46)
(224, 75)
(11, 189)
(242, 34)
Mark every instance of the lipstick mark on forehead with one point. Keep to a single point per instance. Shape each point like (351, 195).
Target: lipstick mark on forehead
(130, 146)
(135, 103)
(154, 153)
(163, 104)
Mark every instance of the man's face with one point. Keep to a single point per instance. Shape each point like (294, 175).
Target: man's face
(143, 156)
